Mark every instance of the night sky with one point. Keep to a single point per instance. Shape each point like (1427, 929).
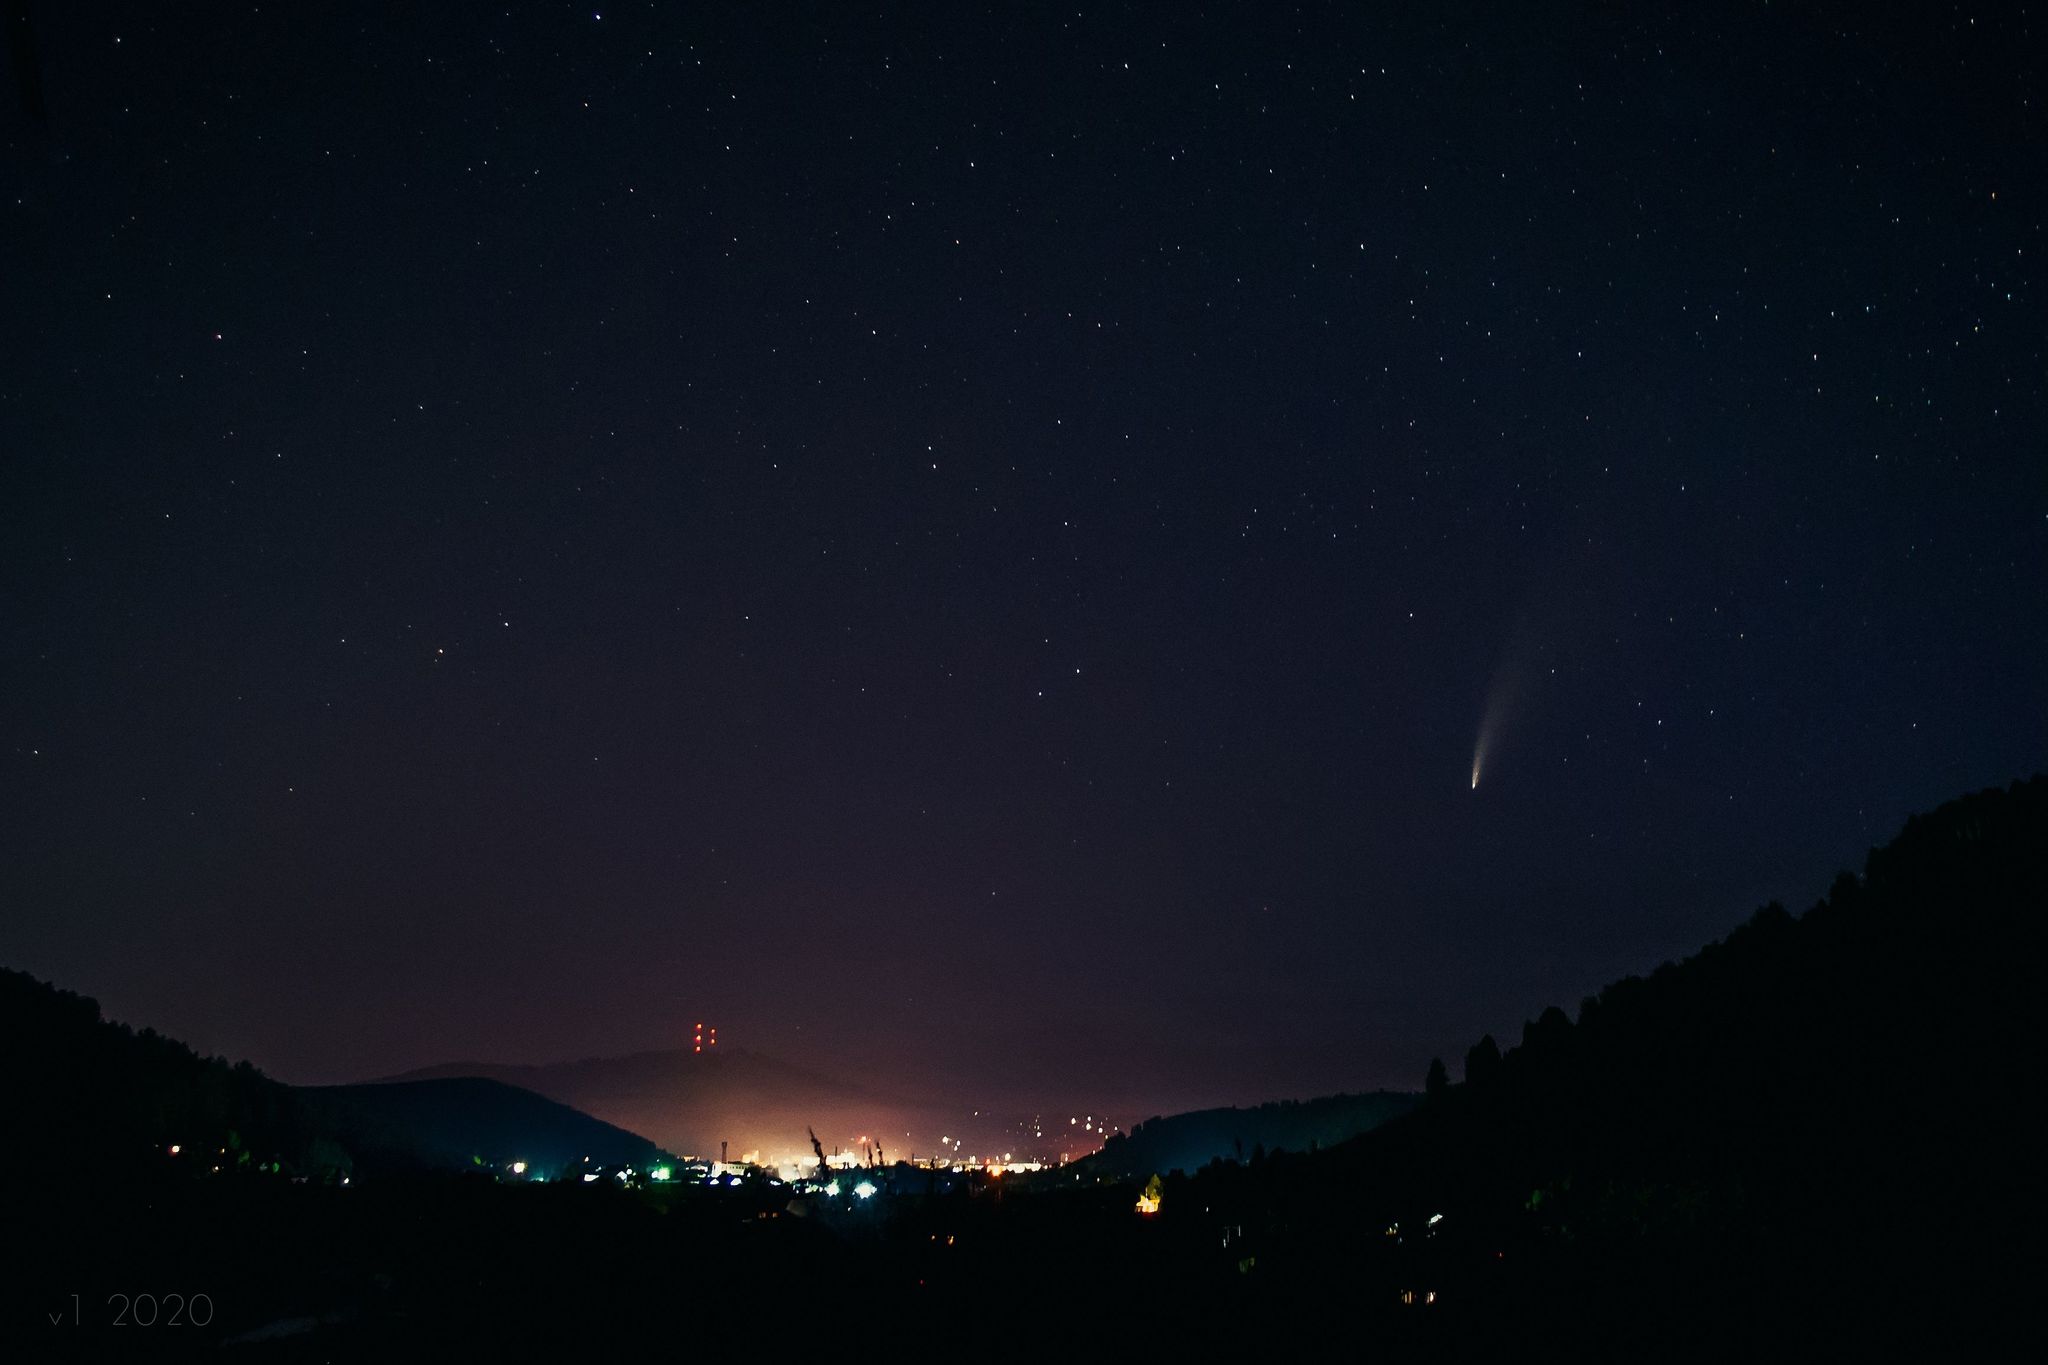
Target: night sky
(977, 544)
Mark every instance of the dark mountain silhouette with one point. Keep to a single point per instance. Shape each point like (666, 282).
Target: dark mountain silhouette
(1187, 1142)
(84, 1090)
(691, 1102)
(1812, 1140)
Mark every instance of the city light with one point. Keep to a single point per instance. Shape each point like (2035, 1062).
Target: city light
(861, 1191)
(661, 1172)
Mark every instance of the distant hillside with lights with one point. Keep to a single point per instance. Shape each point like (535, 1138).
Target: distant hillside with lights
(1187, 1142)
(471, 1122)
(690, 1102)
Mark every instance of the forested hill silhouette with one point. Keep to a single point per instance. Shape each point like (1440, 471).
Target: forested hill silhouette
(1802, 1058)
(1187, 1142)
(1823, 1119)
(83, 1092)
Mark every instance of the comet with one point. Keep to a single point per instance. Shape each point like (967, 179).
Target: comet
(1537, 629)
(1501, 697)
(1489, 725)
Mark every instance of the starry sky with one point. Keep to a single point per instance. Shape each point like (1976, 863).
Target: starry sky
(975, 545)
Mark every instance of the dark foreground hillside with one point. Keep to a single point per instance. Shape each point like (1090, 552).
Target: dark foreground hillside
(1809, 1141)
(87, 1093)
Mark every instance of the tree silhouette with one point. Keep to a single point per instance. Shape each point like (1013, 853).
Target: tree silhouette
(1482, 1061)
